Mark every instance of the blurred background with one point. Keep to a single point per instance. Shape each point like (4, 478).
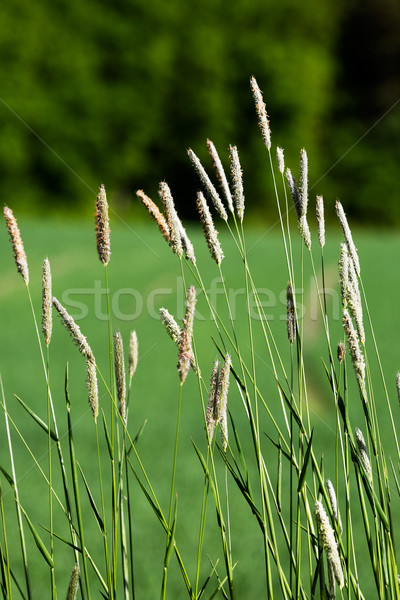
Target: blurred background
(116, 91)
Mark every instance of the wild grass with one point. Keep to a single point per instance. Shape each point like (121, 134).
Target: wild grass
(318, 523)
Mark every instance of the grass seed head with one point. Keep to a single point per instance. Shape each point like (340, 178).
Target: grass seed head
(398, 386)
(185, 347)
(237, 180)
(102, 226)
(333, 502)
(341, 351)
(133, 353)
(119, 365)
(363, 453)
(217, 164)
(47, 321)
(211, 191)
(91, 381)
(210, 232)
(347, 236)
(73, 583)
(16, 241)
(171, 326)
(212, 406)
(74, 330)
(356, 356)
(280, 160)
(294, 192)
(187, 244)
(320, 220)
(173, 221)
(263, 120)
(222, 394)
(291, 316)
(327, 537)
(156, 214)
(303, 181)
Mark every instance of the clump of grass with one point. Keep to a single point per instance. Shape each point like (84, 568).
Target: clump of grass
(322, 519)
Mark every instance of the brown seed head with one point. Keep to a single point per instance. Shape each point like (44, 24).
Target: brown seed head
(18, 246)
(119, 365)
(47, 320)
(155, 213)
(291, 315)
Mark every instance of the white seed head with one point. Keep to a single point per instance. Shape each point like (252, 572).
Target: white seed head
(280, 159)
(222, 394)
(211, 191)
(263, 120)
(356, 356)
(327, 537)
(133, 353)
(363, 453)
(220, 174)
(185, 347)
(303, 181)
(347, 236)
(171, 326)
(320, 220)
(210, 232)
(74, 330)
(102, 226)
(237, 181)
(186, 244)
(333, 502)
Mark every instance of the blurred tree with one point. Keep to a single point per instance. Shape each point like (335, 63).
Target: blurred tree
(117, 90)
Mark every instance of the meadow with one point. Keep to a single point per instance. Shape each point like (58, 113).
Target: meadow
(240, 513)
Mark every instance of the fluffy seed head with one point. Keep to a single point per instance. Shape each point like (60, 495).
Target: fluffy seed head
(220, 173)
(261, 113)
(291, 316)
(222, 394)
(133, 353)
(363, 453)
(155, 213)
(354, 300)
(305, 231)
(211, 191)
(171, 326)
(47, 321)
(210, 232)
(356, 356)
(119, 365)
(102, 226)
(73, 583)
(74, 330)
(320, 220)
(344, 273)
(91, 381)
(212, 406)
(294, 192)
(280, 160)
(237, 180)
(185, 347)
(16, 241)
(341, 351)
(303, 181)
(173, 221)
(328, 541)
(186, 244)
(333, 502)
(347, 236)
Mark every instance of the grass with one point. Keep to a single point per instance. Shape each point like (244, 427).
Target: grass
(249, 551)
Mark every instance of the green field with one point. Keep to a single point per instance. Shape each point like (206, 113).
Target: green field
(143, 276)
